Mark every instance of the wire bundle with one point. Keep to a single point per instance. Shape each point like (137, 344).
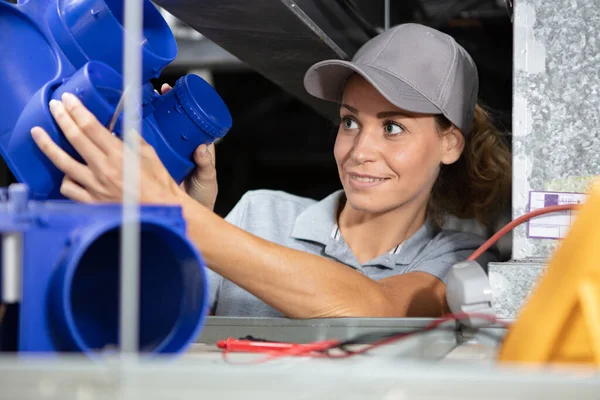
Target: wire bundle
(325, 348)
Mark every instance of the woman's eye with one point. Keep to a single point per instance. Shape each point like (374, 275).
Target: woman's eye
(349, 123)
(393, 129)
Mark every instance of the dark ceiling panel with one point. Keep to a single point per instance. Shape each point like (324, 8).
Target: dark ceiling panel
(278, 39)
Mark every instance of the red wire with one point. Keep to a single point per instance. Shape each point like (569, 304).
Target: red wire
(511, 225)
(319, 349)
(476, 254)
(301, 350)
(432, 326)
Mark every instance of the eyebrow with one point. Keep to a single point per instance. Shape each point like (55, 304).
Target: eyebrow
(351, 109)
(383, 114)
(389, 114)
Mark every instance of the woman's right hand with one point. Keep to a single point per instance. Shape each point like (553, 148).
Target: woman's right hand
(201, 184)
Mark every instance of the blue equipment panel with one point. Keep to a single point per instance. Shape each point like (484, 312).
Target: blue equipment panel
(70, 277)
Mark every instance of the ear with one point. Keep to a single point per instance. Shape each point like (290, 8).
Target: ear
(453, 143)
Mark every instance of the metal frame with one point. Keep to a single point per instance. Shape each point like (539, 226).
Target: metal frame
(301, 331)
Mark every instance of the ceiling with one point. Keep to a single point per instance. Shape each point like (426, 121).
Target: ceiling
(281, 39)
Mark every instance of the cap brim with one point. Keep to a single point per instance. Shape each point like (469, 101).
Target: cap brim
(326, 80)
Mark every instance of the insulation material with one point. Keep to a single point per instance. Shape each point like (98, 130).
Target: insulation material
(556, 123)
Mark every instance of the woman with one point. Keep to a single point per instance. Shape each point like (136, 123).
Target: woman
(412, 147)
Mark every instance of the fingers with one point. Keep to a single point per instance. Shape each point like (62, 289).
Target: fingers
(82, 144)
(211, 150)
(73, 191)
(165, 88)
(60, 158)
(89, 125)
(204, 157)
(136, 141)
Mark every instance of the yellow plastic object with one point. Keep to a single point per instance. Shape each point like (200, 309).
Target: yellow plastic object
(560, 323)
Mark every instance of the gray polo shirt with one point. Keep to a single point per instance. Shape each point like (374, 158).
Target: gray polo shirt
(311, 226)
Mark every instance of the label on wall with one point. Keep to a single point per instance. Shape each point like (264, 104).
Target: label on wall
(555, 225)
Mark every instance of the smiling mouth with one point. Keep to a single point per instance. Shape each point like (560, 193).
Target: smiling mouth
(366, 179)
(369, 180)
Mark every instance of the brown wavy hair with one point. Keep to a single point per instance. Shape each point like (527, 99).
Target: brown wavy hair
(478, 184)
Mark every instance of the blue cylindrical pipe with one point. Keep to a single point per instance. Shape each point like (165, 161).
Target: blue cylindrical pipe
(93, 30)
(193, 113)
(84, 293)
(97, 86)
(70, 39)
(190, 114)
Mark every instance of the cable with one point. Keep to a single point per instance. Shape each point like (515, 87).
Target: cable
(322, 349)
(405, 335)
(386, 14)
(390, 337)
(511, 225)
(2, 312)
(301, 350)
(115, 117)
(354, 13)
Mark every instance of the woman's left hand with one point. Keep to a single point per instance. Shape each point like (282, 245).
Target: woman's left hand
(101, 180)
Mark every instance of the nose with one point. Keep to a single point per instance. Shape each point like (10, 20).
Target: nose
(364, 148)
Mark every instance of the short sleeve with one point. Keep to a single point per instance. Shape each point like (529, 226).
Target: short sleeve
(449, 248)
(235, 217)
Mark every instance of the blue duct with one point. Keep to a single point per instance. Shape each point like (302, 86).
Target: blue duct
(67, 254)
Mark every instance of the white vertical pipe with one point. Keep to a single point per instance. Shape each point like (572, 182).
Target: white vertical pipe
(12, 246)
(386, 16)
(12, 243)
(130, 234)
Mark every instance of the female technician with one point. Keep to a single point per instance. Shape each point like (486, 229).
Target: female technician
(412, 147)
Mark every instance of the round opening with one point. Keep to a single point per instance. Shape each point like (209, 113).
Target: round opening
(106, 81)
(171, 284)
(157, 34)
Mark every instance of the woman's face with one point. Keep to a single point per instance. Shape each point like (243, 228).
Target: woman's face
(388, 157)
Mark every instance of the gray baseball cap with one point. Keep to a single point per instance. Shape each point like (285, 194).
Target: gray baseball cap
(416, 68)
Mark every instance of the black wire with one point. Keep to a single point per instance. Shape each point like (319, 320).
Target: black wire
(254, 339)
(354, 13)
(370, 338)
(373, 338)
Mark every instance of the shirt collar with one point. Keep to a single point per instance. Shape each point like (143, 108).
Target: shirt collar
(318, 223)
(415, 244)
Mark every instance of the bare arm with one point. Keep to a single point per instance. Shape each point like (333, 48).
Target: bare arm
(299, 284)
(303, 285)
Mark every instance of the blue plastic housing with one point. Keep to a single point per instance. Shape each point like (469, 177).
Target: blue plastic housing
(48, 47)
(70, 277)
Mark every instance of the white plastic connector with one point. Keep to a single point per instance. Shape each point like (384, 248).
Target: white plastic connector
(12, 244)
(12, 247)
(468, 290)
